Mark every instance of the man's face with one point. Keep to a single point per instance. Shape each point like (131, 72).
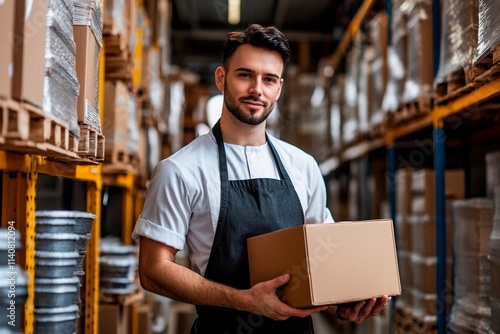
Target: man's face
(251, 83)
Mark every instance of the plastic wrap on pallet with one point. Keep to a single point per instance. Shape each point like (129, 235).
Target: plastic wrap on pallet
(337, 97)
(349, 118)
(116, 13)
(489, 27)
(471, 311)
(458, 37)
(420, 73)
(378, 35)
(492, 172)
(157, 89)
(133, 127)
(396, 60)
(365, 102)
(61, 86)
(89, 13)
(494, 251)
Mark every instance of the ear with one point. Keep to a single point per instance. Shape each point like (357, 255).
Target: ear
(279, 89)
(220, 75)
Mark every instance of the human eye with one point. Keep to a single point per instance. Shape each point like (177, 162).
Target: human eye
(271, 80)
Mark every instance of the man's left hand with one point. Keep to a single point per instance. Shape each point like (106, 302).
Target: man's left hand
(360, 311)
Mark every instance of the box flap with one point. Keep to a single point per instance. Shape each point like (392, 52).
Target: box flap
(270, 255)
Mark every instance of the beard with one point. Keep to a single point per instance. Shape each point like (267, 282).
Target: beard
(252, 118)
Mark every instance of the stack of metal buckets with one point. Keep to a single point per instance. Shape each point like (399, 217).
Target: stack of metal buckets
(60, 245)
(118, 267)
(13, 284)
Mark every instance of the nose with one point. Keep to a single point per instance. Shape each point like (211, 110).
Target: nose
(256, 88)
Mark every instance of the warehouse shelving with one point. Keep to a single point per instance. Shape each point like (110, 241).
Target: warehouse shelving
(20, 173)
(435, 120)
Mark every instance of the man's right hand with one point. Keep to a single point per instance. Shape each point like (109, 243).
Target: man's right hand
(264, 300)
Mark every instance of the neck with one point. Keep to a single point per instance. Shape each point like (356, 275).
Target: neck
(237, 133)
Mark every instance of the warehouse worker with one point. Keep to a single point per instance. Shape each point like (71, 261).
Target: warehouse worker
(235, 182)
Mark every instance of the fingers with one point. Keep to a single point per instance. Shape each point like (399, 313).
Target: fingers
(362, 310)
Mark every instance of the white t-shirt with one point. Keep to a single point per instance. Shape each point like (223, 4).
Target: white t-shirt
(183, 199)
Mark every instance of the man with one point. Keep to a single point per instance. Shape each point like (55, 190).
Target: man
(230, 184)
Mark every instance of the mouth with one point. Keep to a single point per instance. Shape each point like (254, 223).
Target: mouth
(254, 103)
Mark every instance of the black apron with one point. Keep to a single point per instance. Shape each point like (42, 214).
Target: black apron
(248, 208)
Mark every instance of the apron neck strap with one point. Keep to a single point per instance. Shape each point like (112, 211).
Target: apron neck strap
(224, 176)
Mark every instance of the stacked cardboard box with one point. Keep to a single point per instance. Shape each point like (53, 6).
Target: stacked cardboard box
(404, 239)
(397, 57)
(420, 67)
(459, 24)
(423, 231)
(7, 13)
(378, 35)
(28, 42)
(494, 256)
(473, 220)
(488, 29)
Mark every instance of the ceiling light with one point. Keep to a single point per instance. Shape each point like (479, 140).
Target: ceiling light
(234, 11)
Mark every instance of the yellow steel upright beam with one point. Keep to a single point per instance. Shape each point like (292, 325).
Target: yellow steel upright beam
(350, 32)
(91, 301)
(18, 210)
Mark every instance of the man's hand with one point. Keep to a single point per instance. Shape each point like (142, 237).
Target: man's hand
(361, 311)
(264, 300)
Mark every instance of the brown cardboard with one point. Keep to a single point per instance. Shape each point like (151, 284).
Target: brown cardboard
(328, 263)
(115, 129)
(423, 232)
(29, 51)
(423, 186)
(87, 62)
(7, 13)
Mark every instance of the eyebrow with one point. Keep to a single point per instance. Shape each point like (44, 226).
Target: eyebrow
(244, 69)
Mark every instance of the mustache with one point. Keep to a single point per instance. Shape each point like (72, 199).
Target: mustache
(253, 99)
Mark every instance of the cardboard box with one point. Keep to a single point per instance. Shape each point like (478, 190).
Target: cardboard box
(115, 129)
(29, 51)
(328, 263)
(423, 186)
(7, 8)
(114, 319)
(87, 72)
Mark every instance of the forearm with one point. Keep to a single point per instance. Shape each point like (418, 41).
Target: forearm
(180, 283)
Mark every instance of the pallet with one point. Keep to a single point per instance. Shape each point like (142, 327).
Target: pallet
(26, 128)
(91, 143)
(456, 84)
(488, 68)
(403, 320)
(420, 326)
(412, 110)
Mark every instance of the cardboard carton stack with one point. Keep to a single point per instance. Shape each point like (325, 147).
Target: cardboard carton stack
(366, 89)
(488, 30)
(379, 35)
(87, 31)
(397, 57)
(61, 86)
(7, 13)
(494, 256)
(350, 125)
(404, 238)
(459, 28)
(423, 231)
(473, 222)
(420, 73)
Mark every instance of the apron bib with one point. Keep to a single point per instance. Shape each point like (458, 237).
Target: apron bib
(248, 208)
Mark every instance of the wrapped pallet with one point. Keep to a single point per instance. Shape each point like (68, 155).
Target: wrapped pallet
(397, 55)
(420, 66)
(488, 28)
(471, 311)
(61, 86)
(494, 256)
(378, 28)
(337, 105)
(87, 31)
(492, 172)
(366, 89)
(459, 24)
(350, 127)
